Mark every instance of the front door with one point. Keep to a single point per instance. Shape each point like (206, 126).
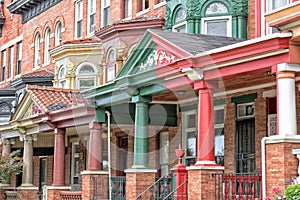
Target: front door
(245, 156)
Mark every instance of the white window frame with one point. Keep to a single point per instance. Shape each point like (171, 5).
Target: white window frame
(160, 4)
(104, 5)
(127, 9)
(181, 24)
(19, 59)
(61, 79)
(3, 64)
(47, 46)
(185, 131)
(219, 125)
(91, 13)
(58, 33)
(204, 21)
(37, 51)
(86, 76)
(78, 18)
(74, 155)
(11, 62)
(164, 153)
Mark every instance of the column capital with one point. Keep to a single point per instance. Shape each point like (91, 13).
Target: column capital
(59, 131)
(141, 99)
(95, 125)
(27, 138)
(285, 74)
(200, 85)
(288, 67)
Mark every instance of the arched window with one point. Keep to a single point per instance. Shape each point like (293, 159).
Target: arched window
(179, 20)
(58, 34)
(86, 76)
(111, 65)
(37, 50)
(47, 46)
(217, 20)
(62, 77)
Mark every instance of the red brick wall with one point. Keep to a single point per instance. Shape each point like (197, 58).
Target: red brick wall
(251, 19)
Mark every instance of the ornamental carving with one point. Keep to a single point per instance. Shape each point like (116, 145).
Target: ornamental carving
(168, 21)
(155, 58)
(239, 7)
(194, 9)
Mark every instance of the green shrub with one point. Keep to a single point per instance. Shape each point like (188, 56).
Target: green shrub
(292, 192)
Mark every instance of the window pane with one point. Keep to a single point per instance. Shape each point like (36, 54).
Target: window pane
(58, 34)
(219, 116)
(86, 70)
(216, 8)
(84, 83)
(79, 28)
(180, 15)
(217, 28)
(106, 16)
(191, 144)
(110, 73)
(191, 121)
(19, 58)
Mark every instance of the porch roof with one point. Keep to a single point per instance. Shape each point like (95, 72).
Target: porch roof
(156, 65)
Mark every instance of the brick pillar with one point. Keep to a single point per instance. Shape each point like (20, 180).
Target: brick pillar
(28, 193)
(206, 136)
(95, 147)
(59, 158)
(201, 181)
(53, 192)
(137, 181)
(95, 185)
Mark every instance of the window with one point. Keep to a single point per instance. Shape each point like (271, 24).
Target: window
(92, 16)
(37, 51)
(47, 47)
(3, 63)
(219, 116)
(143, 5)
(78, 14)
(105, 12)
(4, 113)
(43, 172)
(164, 153)
(19, 58)
(58, 34)
(86, 76)
(62, 77)
(75, 163)
(11, 61)
(213, 25)
(127, 8)
(189, 137)
(111, 65)
(179, 21)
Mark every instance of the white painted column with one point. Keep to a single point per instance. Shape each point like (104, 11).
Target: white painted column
(286, 99)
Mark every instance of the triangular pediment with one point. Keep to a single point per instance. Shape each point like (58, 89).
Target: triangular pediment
(26, 109)
(151, 52)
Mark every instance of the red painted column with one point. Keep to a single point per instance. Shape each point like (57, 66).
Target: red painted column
(181, 176)
(59, 158)
(205, 142)
(95, 148)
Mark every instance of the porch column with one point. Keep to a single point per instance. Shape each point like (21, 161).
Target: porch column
(6, 147)
(27, 177)
(59, 158)
(205, 141)
(286, 100)
(95, 147)
(140, 159)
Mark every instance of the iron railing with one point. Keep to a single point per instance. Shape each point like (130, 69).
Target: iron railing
(179, 193)
(101, 189)
(158, 190)
(118, 189)
(238, 186)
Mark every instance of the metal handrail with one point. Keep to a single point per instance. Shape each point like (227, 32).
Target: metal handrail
(170, 194)
(148, 188)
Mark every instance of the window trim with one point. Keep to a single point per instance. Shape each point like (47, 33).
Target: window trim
(86, 76)
(58, 33)
(78, 18)
(103, 7)
(228, 18)
(127, 9)
(19, 59)
(11, 62)
(62, 79)
(37, 51)
(3, 64)
(47, 44)
(174, 27)
(219, 125)
(91, 13)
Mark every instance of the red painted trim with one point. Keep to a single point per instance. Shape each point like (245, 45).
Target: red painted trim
(258, 18)
(247, 67)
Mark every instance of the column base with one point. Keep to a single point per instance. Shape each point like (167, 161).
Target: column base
(138, 180)
(206, 163)
(53, 192)
(27, 192)
(200, 185)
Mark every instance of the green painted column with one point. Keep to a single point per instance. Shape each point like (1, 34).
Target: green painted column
(234, 27)
(241, 24)
(191, 26)
(140, 159)
(197, 26)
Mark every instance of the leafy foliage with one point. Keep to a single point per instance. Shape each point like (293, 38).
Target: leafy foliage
(292, 192)
(9, 164)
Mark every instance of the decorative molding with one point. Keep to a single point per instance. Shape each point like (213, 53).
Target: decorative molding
(157, 57)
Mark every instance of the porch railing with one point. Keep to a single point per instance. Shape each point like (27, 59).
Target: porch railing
(180, 193)
(158, 190)
(71, 195)
(101, 189)
(238, 186)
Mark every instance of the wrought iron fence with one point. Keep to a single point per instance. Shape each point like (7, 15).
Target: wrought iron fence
(238, 186)
(101, 189)
(158, 190)
(180, 193)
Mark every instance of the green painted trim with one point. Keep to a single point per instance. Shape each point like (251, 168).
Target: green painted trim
(244, 98)
(141, 99)
(100, 114)
(188, 108)
(218, 102)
